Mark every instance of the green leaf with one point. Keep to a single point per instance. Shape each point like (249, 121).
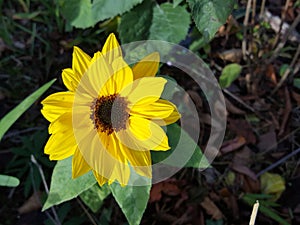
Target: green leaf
(132, 199)
(297, 82)
(63, 187)
(229, 74)
(171, 87)
(273, 184)
(9, 181)
(135, 24)
(176, 133)
(209, 15)
(77, 12)
(13, 115)
(176, 3)
(169, 24)
(94, 196)
(86, 13)
(283, 68)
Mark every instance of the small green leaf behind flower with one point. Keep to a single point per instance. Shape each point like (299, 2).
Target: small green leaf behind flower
(229, 74)
(63, 187)
(94, 196)
(132, 199)
(176, 133)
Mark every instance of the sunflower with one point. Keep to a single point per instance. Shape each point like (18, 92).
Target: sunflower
(110, 117)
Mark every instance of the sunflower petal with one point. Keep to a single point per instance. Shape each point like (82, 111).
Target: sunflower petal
(143, 134)
(143, 90)
(60, 145)
(156, 110)
(111, 49)
(123, 75)
(121, 171)
(79, 165)
(172, 118)
(70, 79)
(96, 76)
(80, 62)
(61, 124)
(57, 104)
(140, 161)
(147, 67)
(105, 157)
(100, 179)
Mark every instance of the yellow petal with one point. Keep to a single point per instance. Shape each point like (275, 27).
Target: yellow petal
(140, 161)
(104, 156)
(122, 75)
(60, 145)
(80, 62)
(79, 165)
(100, 179)
(57, 104)
(70, 79)
(61, 124)
(97, 75)
(111, 49)
(147, 67)
(157, 110)
(143, 134)
(143, 90)
(121, 170)
(172, 118)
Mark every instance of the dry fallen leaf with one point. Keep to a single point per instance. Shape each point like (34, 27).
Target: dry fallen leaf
(211, 209)
(233, 109)
(271, 75)
(296, 97)
(32, 204)
(242, 128)
(231, 55)
(168, 187)
(241, 161)
(267, 141)
(232, 145)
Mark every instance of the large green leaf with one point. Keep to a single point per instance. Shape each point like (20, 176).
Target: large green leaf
(9, 181)
(176, 133)
(135, 24)
(229, 74)
(13, 115)
(86, 13)
(94, 196)
(77, 12)
(209, 15)
(132, 199)
(63, 187)
(169, 24)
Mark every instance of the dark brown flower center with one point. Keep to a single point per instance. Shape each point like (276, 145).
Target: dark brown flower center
(110, 113)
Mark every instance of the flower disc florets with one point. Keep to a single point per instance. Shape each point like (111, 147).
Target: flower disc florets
(110, 113)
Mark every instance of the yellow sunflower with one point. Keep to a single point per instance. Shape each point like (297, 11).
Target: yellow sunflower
(110, 117)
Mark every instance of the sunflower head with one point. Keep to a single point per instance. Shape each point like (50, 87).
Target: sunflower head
(111, 116)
